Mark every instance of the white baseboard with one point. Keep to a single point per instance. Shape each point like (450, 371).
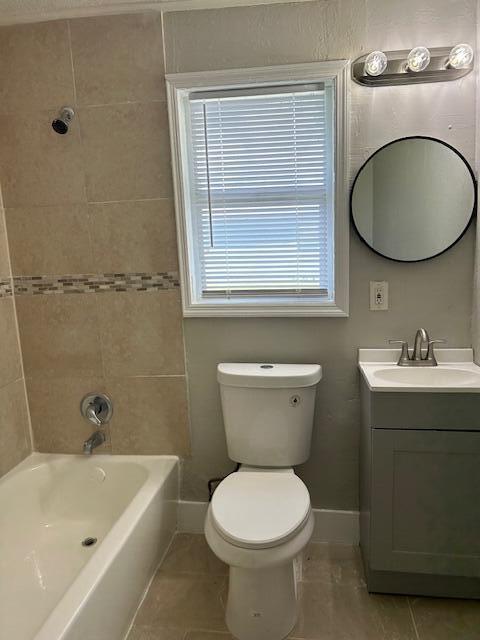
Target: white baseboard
(341, 527)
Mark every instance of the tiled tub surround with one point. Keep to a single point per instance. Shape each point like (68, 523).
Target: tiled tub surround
(15, 433)
(6, 287)
(127, 344)
(91, 283)
(92, 212)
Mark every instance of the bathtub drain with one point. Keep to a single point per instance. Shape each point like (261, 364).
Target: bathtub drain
(88, 542)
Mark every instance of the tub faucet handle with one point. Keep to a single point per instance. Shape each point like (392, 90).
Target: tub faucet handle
(91, 414)
(97, 408)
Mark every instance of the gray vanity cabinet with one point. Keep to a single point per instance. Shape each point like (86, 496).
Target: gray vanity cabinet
(420, 495)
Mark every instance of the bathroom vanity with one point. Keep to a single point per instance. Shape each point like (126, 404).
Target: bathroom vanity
(420, 474)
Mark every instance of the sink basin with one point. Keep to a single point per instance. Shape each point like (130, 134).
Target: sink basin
(456, 372)
(428, 376)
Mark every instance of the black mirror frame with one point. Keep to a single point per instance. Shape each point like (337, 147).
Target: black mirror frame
(474, 210)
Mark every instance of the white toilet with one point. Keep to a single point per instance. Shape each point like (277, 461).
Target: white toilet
(260, 517)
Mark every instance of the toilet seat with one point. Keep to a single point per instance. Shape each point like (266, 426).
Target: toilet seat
(260, 509)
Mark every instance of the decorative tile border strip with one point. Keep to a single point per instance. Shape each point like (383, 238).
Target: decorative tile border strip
(95, 283)
(5, 287)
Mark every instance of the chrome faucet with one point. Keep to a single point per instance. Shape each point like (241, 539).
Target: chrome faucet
(97, 408)
(421, 339)
(423, 354)
(95, 440)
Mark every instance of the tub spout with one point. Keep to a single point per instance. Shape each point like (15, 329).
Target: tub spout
(96, 439)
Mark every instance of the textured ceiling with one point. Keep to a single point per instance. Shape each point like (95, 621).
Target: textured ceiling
(13, 11)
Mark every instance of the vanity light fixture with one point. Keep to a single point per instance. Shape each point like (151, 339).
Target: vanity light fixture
(461, 57)
(441, 64)
(418, 59)
(375, 63)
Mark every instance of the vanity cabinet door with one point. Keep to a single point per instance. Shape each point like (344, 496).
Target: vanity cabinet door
(425, 515)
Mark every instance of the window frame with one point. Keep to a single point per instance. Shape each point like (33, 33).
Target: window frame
(179, 86)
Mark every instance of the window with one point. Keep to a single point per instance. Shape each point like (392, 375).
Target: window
(258, 164)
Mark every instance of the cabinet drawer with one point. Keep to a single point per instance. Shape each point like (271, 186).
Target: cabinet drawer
(425, 502)
(442, 411)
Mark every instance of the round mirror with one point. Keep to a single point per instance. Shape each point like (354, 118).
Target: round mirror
(413, 199)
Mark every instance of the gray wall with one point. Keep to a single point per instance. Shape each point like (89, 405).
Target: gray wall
(436, 294)
(476, 288)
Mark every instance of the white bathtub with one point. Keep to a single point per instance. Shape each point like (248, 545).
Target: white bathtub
(52, 587)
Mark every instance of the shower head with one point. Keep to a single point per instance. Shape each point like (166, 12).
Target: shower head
(60, 125)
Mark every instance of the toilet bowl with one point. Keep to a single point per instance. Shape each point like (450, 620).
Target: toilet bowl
(258, 523)
(260, 518)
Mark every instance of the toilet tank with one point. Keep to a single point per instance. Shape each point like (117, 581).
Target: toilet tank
(268, 411)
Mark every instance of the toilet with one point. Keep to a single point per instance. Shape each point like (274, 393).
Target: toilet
(260, 518)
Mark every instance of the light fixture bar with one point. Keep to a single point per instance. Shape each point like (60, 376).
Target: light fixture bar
(397, 72)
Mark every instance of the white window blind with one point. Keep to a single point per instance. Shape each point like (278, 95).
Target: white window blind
(261, 191)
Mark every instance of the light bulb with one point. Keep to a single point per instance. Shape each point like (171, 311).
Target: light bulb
(418, 59)
(375, 63)
(461, 56)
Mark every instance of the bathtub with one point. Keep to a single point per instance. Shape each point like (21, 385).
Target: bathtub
(52, 587)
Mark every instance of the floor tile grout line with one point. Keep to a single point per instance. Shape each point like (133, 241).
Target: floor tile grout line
(148, 587)
(412, 615)
(201, 629)
(204, 574)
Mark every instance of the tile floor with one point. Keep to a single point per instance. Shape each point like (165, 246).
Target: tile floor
(187, 598)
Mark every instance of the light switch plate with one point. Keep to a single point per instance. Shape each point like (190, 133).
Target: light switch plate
(378, 295)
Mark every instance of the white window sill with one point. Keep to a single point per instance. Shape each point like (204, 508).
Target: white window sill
(293, 310)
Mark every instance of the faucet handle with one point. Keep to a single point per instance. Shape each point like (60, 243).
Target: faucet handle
(430, 353)
(91, 414)
(97, 408)
(404, 356)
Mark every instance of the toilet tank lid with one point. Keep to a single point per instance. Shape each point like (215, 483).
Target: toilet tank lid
(268, 375)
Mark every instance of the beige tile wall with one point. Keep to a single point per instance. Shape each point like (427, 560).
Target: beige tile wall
(97, 200)
(15, 440)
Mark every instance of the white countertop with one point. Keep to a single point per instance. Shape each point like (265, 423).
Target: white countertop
(456, 372)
